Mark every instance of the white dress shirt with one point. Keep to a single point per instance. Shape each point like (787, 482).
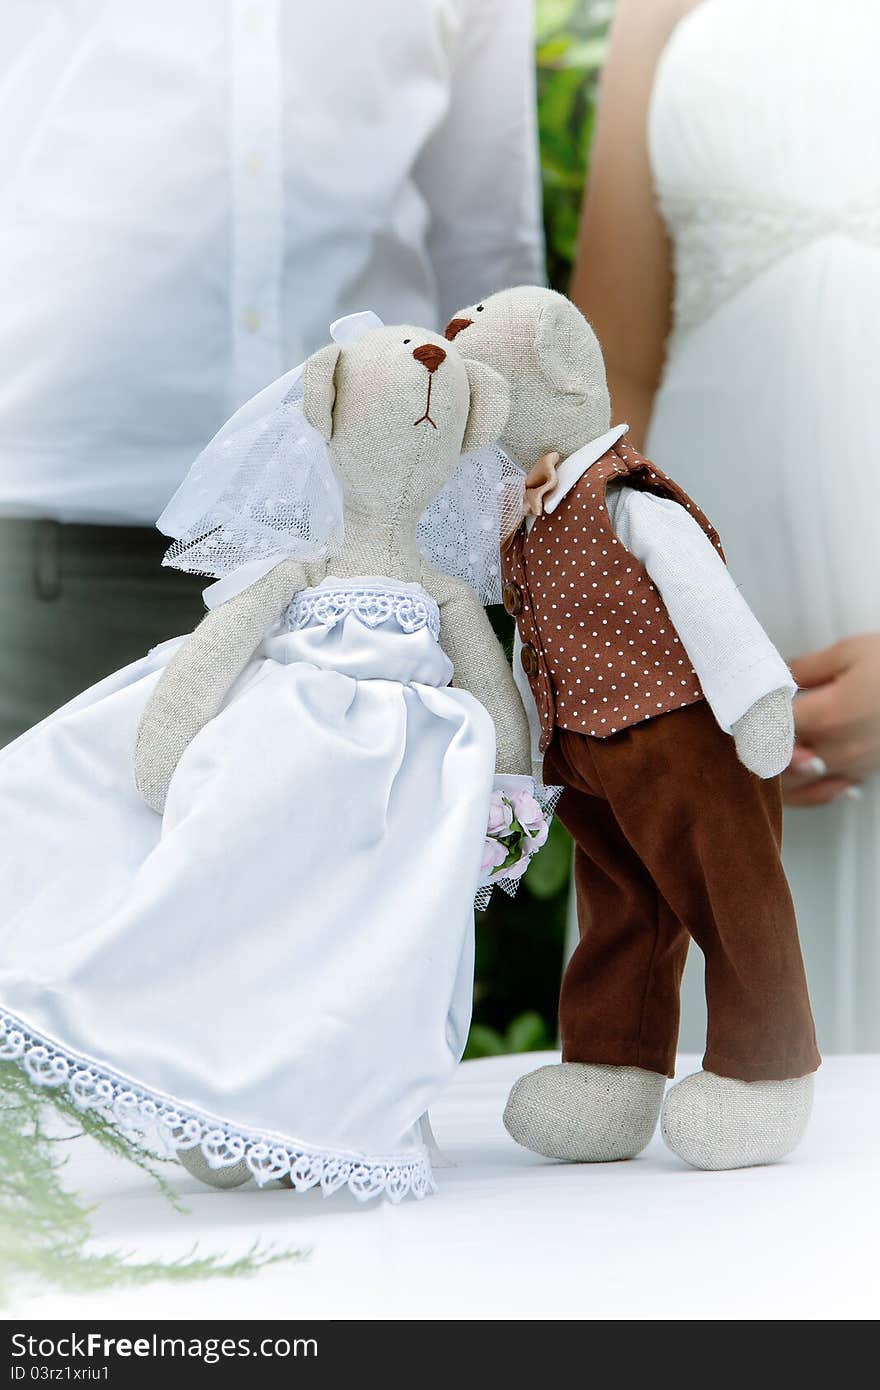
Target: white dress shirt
(191, 190)
(734, 659)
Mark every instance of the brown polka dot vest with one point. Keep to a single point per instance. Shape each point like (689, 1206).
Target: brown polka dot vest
(599, 648)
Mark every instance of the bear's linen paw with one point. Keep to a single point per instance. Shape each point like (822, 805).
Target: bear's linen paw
(764, 736)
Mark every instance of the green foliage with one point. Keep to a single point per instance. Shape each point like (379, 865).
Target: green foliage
(570, 38)
(526, 1033)
(44, 1227)
(548, 874)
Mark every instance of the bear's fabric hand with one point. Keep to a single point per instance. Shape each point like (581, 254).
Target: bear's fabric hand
(764, 736)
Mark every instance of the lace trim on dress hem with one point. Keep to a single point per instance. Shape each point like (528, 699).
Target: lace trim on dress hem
(139, 1113)
(411, 609)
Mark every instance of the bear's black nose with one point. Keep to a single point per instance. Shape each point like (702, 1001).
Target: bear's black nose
(429, 355)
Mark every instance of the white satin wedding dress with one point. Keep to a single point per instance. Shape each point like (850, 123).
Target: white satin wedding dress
(765, 146)
(280, 968)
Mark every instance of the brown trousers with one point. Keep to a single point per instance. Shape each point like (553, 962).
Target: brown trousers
(675, 839)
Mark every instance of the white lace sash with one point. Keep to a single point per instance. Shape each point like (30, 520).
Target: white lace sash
(372, 603)
(723, 242)
(148, 1115)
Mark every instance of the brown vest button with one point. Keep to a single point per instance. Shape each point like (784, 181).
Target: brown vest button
(511, 597)
(529, 659)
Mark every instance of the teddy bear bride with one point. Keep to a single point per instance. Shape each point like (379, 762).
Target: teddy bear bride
(238, 876)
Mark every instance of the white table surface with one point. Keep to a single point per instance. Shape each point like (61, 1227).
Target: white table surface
(511, 1235)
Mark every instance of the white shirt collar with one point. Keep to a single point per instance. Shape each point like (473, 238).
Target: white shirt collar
(572, 469)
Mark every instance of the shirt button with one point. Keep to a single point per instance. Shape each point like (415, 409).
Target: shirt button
(252, 320)
(511, 597)
(529, 659)
(254, 162)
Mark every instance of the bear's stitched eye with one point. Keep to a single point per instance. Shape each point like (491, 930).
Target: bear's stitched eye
(479, 308)
(406, 340)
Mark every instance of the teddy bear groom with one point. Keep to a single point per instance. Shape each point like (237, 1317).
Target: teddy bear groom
(662, 708)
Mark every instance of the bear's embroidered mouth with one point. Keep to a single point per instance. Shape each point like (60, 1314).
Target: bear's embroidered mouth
(431, 355)
(426, 418)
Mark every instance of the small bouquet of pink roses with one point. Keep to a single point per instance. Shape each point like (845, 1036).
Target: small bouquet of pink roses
(517, 829)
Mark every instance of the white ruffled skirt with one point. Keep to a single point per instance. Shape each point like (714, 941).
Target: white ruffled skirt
(280, 969)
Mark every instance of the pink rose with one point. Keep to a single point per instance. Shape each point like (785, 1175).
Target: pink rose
(539, 837)
(494, 855)
(518, 869)
(527, 811)
(500, 814)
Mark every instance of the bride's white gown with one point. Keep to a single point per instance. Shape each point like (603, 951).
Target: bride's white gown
(281, 967)
(765, 145)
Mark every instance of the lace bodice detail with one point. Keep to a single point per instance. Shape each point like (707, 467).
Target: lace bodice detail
(762, 134)
(372, 601)
(721, 243)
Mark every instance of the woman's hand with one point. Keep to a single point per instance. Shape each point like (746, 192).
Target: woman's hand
(837, 721)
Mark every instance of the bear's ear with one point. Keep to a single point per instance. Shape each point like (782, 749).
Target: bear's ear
(567, 349)
(490, 406)
(319, 389)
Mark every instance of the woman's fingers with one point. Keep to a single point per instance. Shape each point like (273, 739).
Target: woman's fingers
(815, 714)
(837, 721)
(820, 792)
(807, 782)
(818, 668)
(806, 764)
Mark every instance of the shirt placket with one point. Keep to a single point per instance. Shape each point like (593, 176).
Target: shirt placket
(257, 228)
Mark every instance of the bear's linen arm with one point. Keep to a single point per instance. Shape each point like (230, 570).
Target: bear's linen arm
(482, 669)
(196, 680)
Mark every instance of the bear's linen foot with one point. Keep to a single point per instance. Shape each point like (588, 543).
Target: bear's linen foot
(717, 1122)
(585, 1112)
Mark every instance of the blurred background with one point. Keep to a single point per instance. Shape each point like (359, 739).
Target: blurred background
(521, 942)
(190, 194)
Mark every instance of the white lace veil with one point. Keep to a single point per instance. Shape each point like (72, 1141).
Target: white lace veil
(264, 490)
(460, 532)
